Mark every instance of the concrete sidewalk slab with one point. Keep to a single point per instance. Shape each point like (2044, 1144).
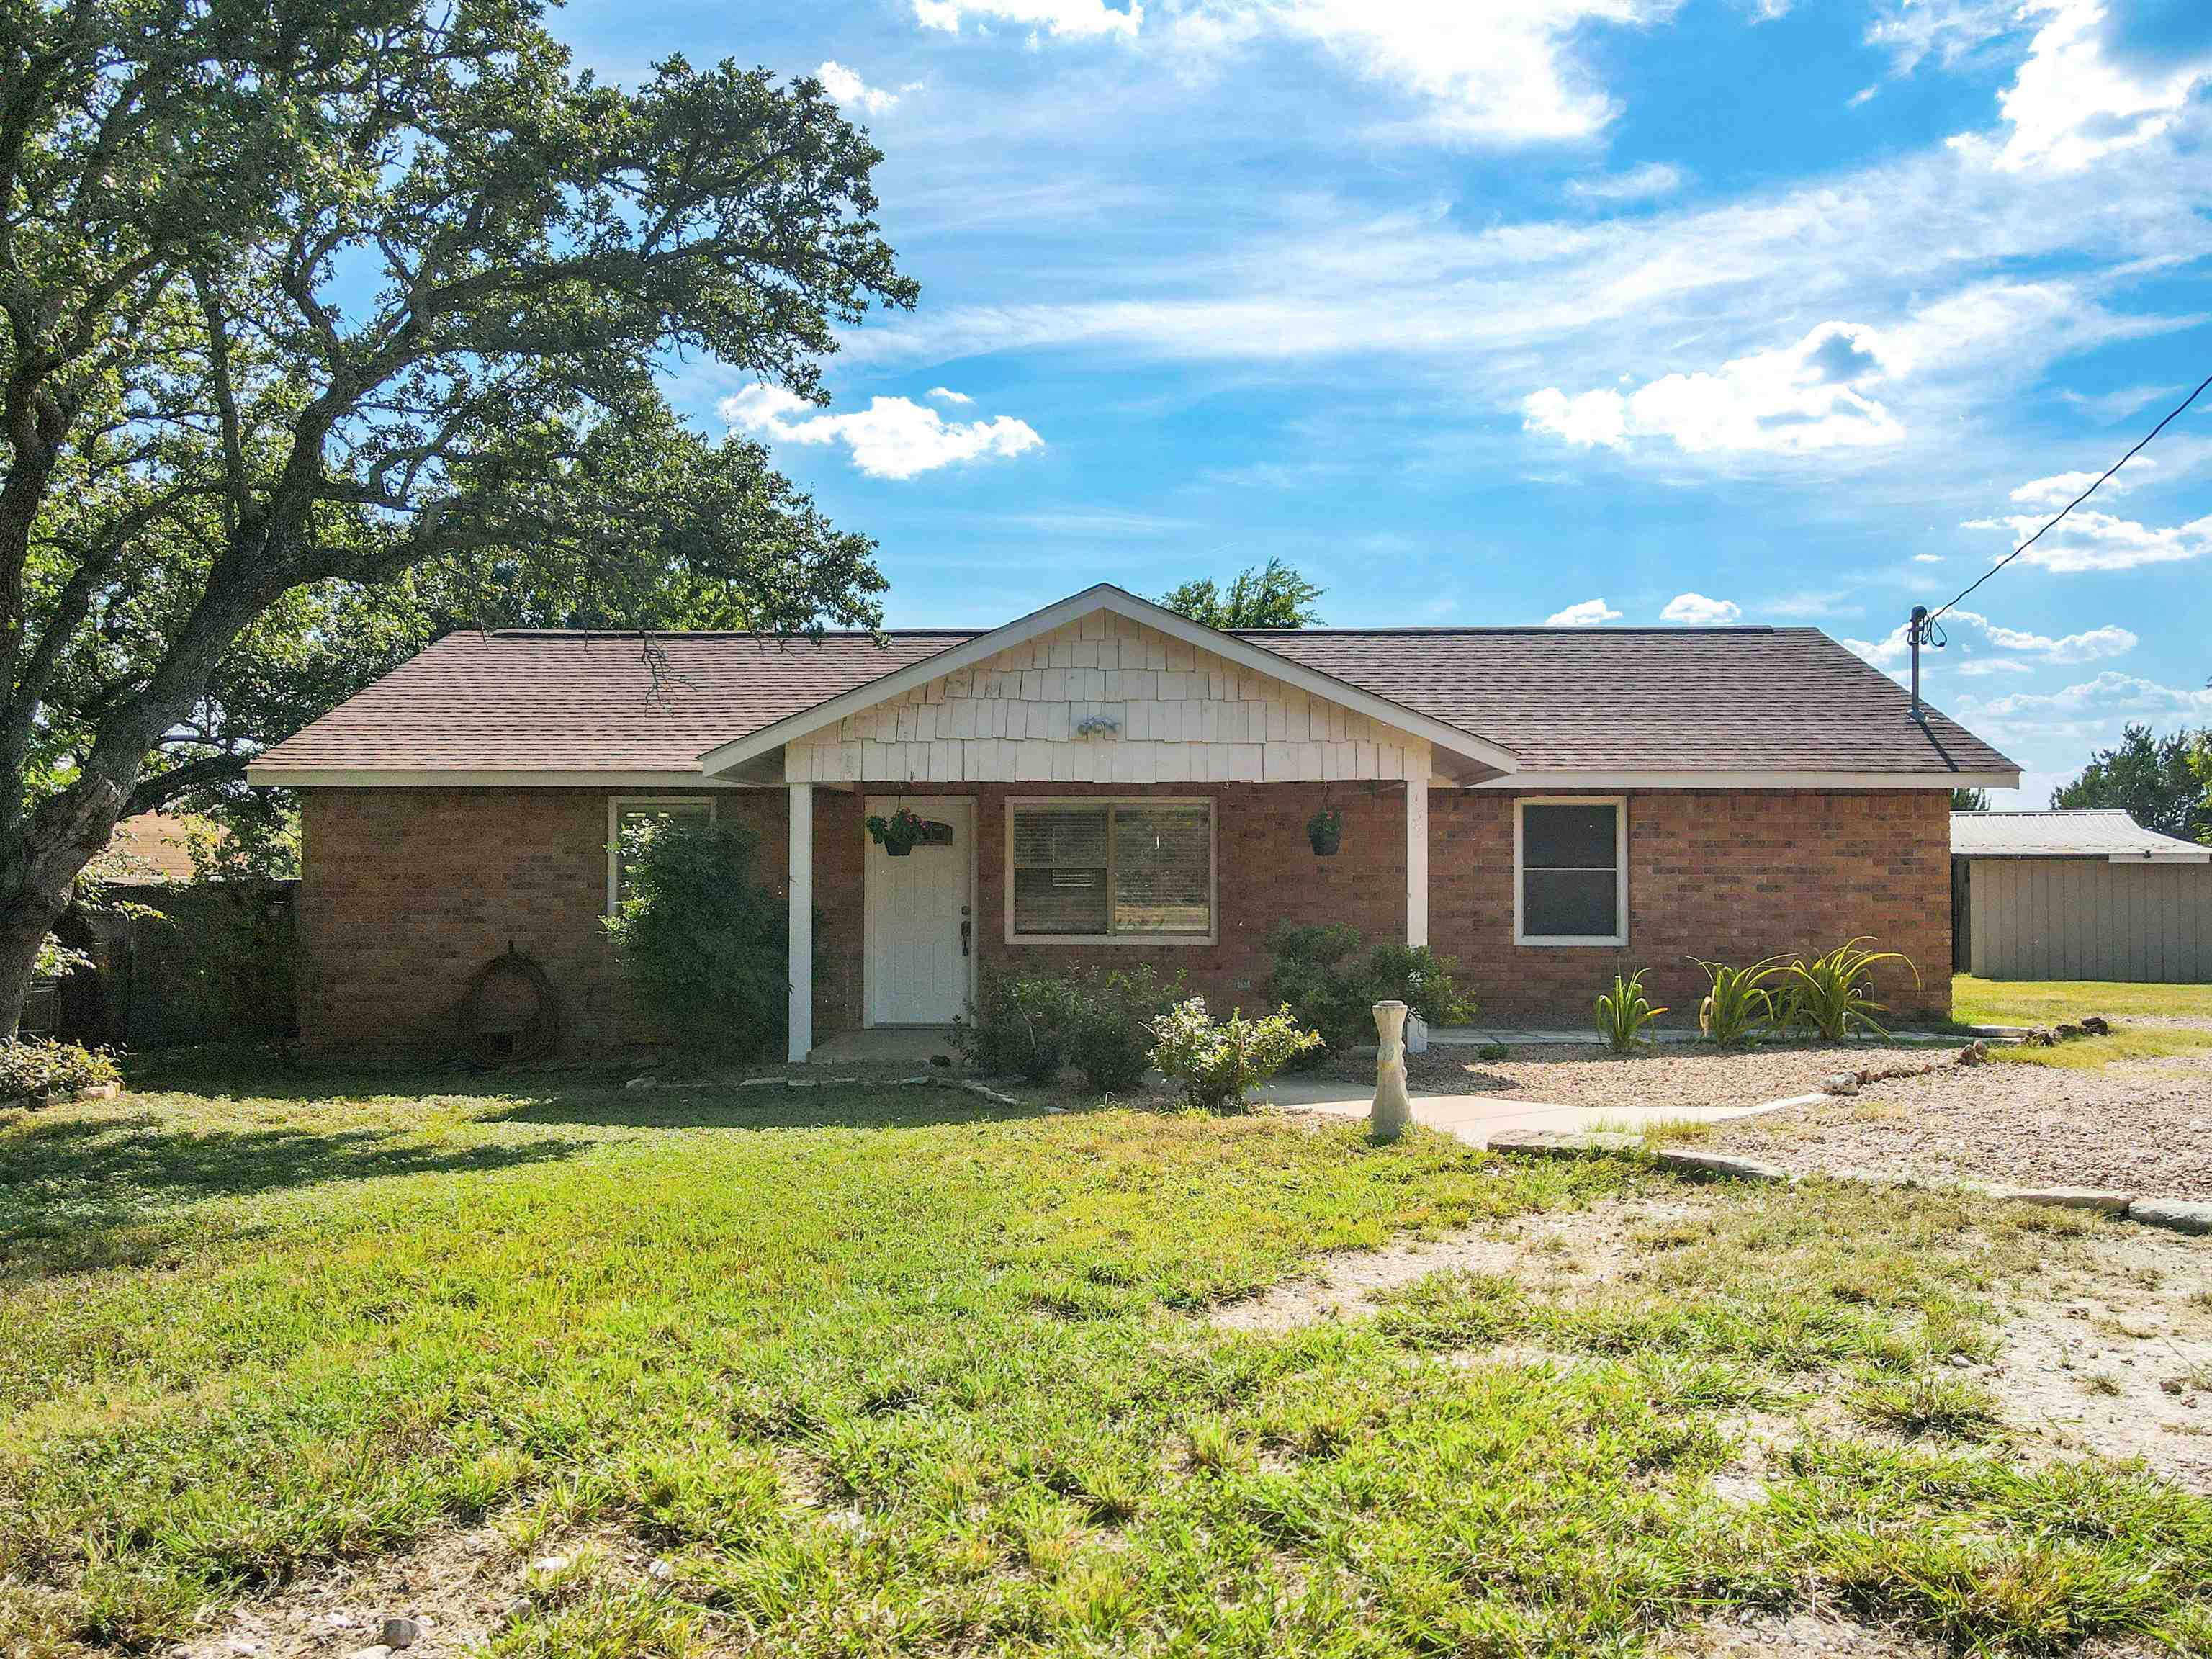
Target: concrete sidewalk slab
(1474, 1118)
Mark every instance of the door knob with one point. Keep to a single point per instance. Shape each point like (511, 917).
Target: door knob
(965, 926)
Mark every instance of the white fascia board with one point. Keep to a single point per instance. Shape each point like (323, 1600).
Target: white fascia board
(1104, 596)
(1946, 781)
(371, 777)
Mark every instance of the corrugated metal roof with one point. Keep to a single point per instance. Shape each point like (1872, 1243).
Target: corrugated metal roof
(1672, 700)
(2068, 834)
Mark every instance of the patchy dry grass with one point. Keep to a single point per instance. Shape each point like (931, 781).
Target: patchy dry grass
(2127, 1041)
(875, 1374)
(2045, 1002)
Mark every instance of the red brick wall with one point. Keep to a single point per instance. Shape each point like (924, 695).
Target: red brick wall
(406, 892)
(1729, 875)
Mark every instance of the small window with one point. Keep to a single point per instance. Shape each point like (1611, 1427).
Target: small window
(1088, 871)
(623, 817)
(1572, 874)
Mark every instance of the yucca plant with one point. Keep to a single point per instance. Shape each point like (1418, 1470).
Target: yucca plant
(1739, 1003)
(1833, 994)
(1623, 1012)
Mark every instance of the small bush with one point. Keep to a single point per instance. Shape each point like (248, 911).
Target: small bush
(709, 951)
(1739, 1005)
(1110, 1038)
(36, 1070)
(1331, 978)
(1220, 1061)
(1624, 1012)
(1833, 994)
(1019, 1027)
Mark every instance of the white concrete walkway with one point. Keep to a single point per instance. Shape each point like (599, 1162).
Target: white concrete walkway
(1474, 1118)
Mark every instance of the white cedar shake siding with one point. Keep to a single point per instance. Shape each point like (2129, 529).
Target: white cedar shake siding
(1163, 711)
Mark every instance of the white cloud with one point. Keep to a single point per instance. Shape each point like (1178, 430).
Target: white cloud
(2063, 487)
(892, 438)
(1073, 18)
(2102, 75)
(2110, 693)
(1502, 71)
(1811, 602)
(1948, 30)
(1590, 613)
(946, 394)
(2088, 646)
(1638, 183)
(2110, 406)
(1696, 610)
(1927, 558)
(2090, 540)
(852, 93)
(1806, 397)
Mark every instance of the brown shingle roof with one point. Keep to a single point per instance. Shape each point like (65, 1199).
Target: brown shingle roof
(1649, 699)
(1745, 699)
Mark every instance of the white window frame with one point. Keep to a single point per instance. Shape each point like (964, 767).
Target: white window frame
(618, 804)
(1603, 941)
(1212, 933)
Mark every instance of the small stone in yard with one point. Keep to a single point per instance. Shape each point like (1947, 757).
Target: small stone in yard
(1843, 1083)
(945, 1061)
(759, 1083)
(646, 1082)
(2096, 1025)
(518, 1607)
(2069, 1032)
(660, 1570)
(2172, 1384)
(2039, 1036)
(550, 1564)
(399, 1633)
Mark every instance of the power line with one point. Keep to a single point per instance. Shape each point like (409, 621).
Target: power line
(1925, 621)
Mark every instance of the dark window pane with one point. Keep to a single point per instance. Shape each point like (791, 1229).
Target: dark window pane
(1062, 900)
(1568, 837)
(1162, 870)
(1569, 903)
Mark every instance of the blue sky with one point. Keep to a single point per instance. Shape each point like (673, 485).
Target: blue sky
(1629, 311)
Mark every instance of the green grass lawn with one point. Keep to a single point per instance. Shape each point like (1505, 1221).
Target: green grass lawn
(894, 1372)
(2042, 1002)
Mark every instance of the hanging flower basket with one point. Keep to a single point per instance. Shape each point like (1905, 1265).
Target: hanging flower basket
(899, 834)
(1325, 829)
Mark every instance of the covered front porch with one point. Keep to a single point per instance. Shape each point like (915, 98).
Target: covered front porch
(1103, 780)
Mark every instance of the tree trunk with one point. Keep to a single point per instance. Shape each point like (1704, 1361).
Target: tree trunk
(37, 877)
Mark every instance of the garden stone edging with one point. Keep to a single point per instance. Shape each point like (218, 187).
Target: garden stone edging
(2175, 1214)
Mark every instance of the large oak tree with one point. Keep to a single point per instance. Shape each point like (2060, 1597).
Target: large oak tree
(324, 323)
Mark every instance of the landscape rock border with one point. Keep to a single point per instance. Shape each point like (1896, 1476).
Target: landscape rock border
(2174, 1214)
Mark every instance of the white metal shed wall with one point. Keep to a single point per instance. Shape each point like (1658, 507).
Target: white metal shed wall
(2057, 918)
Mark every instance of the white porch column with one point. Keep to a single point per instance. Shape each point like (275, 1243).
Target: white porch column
(802, 922)
(1417, 861)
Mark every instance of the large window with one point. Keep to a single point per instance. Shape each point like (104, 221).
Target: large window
(1092, 870)
(625, 814)
(1571, 875)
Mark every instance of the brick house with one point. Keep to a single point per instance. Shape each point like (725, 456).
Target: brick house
(1107, 780)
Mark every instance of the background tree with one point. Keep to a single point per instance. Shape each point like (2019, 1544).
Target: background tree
(2164, 783)
(1970, 801)
(322, 326)
(1275, 596)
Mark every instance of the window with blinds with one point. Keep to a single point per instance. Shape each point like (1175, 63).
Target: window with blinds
(627, 819)
(1091, 870)
(1573, 879)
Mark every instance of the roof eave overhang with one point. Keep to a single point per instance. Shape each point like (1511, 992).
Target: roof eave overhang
(1751, 778)
(1456, 754)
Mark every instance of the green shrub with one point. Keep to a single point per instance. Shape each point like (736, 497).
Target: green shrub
(1331, 978)
(35, 1070)
(1624, 1012)
(1110, 1035)
(1739, 1005)
(1220, 1061)
(1833, 994)
(1019, 1027)
(708, 952)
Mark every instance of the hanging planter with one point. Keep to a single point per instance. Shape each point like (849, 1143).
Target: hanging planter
(1325, 829)
(899, 834)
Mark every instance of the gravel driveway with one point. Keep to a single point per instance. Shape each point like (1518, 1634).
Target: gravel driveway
(2144, 1127)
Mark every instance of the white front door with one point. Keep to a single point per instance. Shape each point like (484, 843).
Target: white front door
(921, 916)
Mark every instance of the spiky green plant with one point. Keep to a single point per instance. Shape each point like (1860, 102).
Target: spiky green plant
(1738, 1004)
(1833, 994)
(1624, 1012)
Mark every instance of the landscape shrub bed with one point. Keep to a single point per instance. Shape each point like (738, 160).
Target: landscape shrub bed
(35, 1070)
